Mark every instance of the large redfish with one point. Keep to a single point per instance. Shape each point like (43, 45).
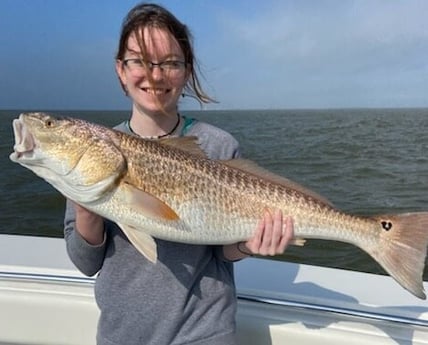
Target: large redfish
(168, 189)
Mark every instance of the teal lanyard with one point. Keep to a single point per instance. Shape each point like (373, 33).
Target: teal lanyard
(188, 123)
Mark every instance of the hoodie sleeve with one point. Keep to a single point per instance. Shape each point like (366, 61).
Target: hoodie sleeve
(86, 257)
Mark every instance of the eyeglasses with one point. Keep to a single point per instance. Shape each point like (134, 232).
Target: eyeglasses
(139, 66)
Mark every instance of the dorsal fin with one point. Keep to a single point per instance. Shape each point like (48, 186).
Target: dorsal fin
(187, 144)
(190, 145)
(252, 168)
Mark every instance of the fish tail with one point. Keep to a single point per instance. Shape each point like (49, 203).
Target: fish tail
(402, 248)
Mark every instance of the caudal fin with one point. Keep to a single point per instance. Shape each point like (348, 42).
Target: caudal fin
(402, 249)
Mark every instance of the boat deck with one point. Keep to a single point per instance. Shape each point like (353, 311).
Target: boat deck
(45, 300)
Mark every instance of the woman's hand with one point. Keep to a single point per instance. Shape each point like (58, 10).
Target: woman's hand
(272, 236)
(89, 225)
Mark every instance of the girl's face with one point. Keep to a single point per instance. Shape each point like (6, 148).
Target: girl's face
(154, 89)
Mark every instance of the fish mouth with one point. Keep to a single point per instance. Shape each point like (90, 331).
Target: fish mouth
(24, 141)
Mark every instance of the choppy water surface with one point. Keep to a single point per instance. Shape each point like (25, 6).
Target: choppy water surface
(365, 161)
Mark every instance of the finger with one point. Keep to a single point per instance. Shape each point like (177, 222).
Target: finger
(288, 234)
(79, 208)
(254, 242)
(277, 232)
(266, 240)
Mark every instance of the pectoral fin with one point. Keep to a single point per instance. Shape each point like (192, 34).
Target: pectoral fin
(144, 243)
(147, 204)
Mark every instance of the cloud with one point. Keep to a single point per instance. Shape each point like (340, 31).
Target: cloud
(353, 33)
(351, 48)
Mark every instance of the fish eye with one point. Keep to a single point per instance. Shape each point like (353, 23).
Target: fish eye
(49, 123)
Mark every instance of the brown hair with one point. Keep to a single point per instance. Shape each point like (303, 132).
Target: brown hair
(152, 15)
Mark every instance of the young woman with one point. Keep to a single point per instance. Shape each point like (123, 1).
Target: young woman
(188, 296)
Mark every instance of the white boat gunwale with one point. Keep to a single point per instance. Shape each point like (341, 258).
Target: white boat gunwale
(277, 301)
(247, 296)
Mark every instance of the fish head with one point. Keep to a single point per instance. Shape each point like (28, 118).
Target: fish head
(44, 140)
(78, 158)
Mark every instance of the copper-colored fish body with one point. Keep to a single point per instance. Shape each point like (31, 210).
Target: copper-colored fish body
(169, 190)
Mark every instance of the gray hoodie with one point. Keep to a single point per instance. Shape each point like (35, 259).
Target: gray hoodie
(187, 297)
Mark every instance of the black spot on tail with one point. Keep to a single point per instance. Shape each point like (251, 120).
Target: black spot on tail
(386, 225)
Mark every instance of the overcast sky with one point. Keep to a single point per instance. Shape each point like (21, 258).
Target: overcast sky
(59, 54)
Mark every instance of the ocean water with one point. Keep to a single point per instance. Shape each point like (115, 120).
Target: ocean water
(365, 161)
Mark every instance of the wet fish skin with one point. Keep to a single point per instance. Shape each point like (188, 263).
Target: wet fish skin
(168, 189)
